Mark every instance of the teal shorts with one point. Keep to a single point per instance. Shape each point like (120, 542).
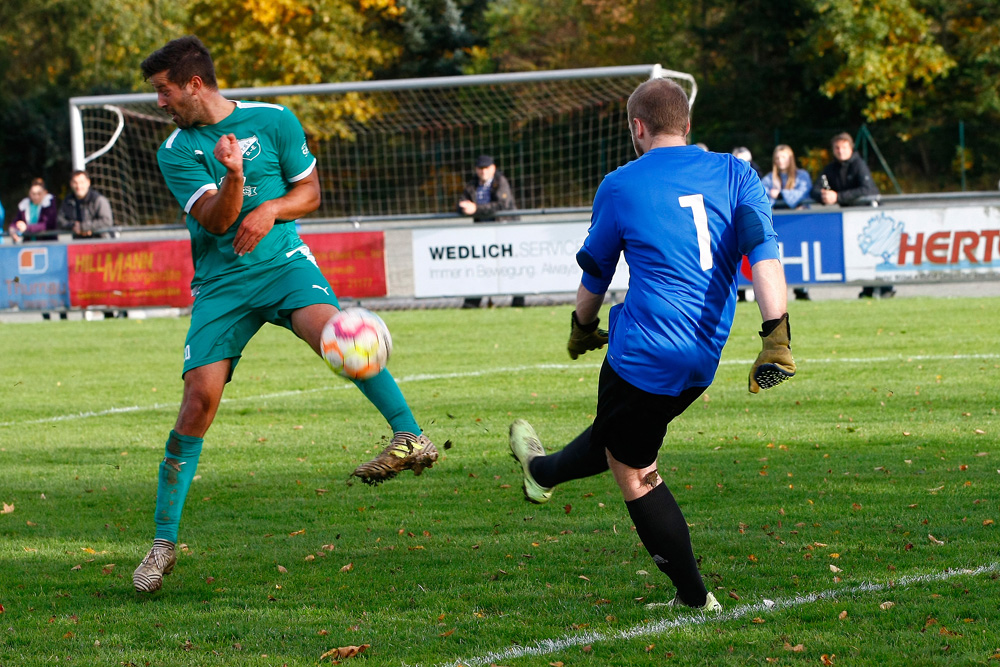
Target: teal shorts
(228, 312)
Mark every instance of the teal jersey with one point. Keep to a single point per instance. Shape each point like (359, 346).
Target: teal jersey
(275, 155)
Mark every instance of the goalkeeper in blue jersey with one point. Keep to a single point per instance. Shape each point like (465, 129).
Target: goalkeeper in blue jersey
(243, 173)
(684, 218)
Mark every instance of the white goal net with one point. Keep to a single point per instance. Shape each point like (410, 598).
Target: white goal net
(397, 148)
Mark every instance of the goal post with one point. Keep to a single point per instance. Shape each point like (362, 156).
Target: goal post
(396, 147)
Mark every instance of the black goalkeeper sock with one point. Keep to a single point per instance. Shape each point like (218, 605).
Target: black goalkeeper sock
(664, 532)
(574, 461)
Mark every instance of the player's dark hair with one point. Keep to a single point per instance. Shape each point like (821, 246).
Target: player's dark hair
(662, 105)
(843, 136)
(182, 59)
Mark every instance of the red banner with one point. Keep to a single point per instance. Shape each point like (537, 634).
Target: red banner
(144, 273)
(159, 273)
(353, 262)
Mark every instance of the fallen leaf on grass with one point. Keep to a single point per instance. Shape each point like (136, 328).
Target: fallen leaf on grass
(934, 540)
(76, 567)
(7, 509)
(827, 659)
(282, 569)
(988, 522)
(835, 569)
(108, 569)
(448, 633)
(2, 610)
(297, 532)
(842, 615)
(344, 652)
(798, 648)
(347, 568)
(885, 606)
(758, 620)
(557, 663)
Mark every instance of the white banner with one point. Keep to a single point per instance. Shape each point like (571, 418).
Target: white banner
(922, 243)
(487, 259)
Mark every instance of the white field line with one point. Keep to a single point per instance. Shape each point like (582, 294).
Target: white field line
(492, 371)
(550, 646)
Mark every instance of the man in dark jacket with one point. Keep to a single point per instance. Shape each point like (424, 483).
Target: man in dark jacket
(486, 194)
(483, 196)
(87, 212)
(847, 180)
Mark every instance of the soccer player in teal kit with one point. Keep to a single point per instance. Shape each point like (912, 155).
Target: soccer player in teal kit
(684, 218)
(243, 172)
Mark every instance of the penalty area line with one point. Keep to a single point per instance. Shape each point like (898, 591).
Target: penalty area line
(431, 377)
(688, 619)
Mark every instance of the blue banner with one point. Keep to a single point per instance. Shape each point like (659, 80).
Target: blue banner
(812, 248)
(34, 277)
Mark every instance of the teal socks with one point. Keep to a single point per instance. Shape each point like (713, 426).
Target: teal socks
(385, 395)
(176, 472)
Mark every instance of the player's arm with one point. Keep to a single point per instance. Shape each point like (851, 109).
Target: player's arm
(598, 258)
(302, 198)
(217, 210)
(756, 237)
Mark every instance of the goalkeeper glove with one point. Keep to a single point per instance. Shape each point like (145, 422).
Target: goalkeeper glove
(774, 364)
(585, 337)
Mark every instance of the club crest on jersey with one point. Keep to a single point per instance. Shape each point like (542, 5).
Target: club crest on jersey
(250, 147)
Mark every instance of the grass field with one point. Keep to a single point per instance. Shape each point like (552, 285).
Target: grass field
(860, 498)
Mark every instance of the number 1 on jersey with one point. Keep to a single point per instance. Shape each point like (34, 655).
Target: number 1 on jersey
(697, 205)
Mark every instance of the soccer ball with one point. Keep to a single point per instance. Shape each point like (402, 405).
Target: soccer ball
(356, 343)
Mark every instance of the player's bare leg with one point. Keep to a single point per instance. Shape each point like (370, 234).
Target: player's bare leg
(663, 531)
(409, 449)
(203, 387)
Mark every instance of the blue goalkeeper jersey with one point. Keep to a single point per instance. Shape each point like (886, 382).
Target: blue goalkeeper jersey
(684, 218)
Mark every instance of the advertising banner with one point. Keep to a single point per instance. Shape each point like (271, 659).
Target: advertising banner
(925, 244)
(811, 247)
(353, 262)
(144, 273)
(33, 277)
(489, 259)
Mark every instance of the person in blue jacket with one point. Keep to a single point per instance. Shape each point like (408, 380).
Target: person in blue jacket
(786, 185)
(683, 218)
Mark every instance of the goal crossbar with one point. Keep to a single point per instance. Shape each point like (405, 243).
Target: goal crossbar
(387, 132)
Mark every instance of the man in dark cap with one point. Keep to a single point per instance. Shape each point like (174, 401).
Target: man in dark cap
(483, 196)
(486, 194)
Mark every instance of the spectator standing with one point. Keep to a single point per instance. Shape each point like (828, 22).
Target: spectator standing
(787, 186)
(485, 194)
(36, 215)
(847, 181)
(86, 212)
(683, 218)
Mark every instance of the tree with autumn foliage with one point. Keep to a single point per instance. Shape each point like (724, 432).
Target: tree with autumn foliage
(769, 71)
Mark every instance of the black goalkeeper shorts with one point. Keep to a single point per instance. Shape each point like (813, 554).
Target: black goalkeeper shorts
(631, 423)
